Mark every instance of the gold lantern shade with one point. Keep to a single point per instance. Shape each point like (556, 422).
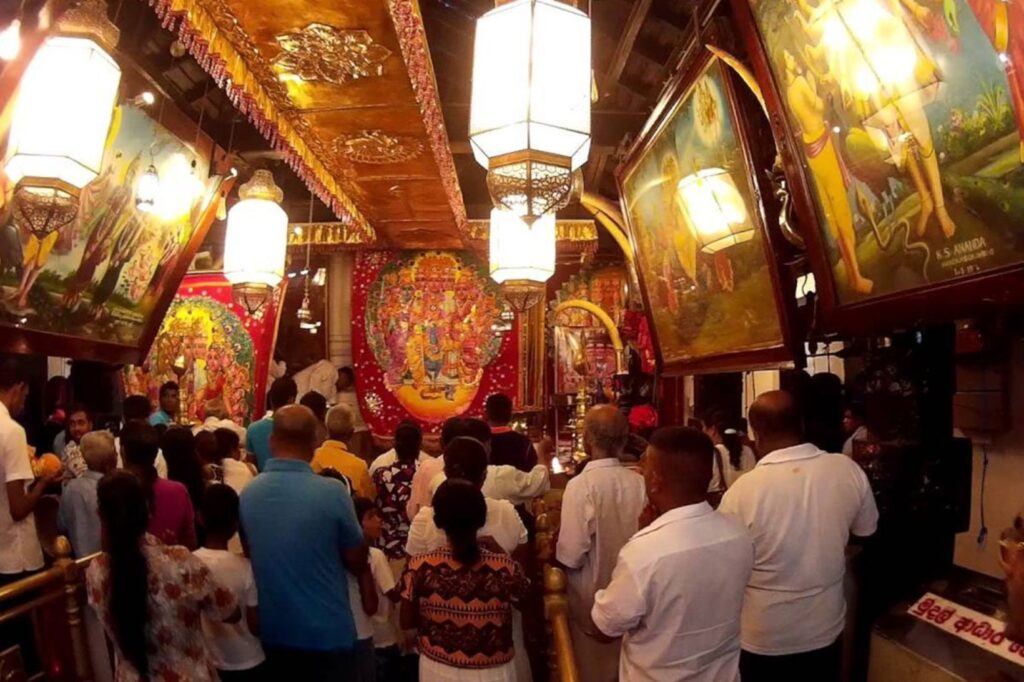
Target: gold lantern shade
(256, 241)
(714, 210)
(530, 107)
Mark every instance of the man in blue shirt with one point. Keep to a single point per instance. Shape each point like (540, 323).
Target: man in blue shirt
(167, 415)
(303, 534)
(257, 437)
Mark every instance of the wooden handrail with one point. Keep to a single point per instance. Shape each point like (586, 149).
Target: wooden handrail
(562, 657)
(63, 579)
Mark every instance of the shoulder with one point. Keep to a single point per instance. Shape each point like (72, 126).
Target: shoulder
(496, 507)
(165, 486)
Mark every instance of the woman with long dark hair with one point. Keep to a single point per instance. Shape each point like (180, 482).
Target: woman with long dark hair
(180, 450)
(150, 596)
(460, 598)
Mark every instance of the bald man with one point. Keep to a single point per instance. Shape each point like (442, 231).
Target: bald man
(600, 510)
(802, 506)
(303, 535)
(676, 594)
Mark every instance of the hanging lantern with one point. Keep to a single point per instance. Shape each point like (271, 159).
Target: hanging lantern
(714, 210)
(530, 110)
(63, 111)
(147, 189)
(10, 41)
(256, 242)
(522, 257)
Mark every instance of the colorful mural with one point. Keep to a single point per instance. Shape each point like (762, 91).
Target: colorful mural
(100, 276)
(224, 350)
(909, 115)
(428, 348)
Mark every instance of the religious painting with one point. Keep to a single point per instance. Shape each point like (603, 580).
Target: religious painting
(433, 343)
(579, 337)
(906, 116)
(103, 277)
(213, 348)
(694, 222)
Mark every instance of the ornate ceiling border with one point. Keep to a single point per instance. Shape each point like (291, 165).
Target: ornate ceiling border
(413, 40)
(212, 34)
(567, 230)
(324, 234)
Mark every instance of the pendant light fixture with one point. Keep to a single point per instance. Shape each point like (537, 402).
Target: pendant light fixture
(256, 242)
(522, 257)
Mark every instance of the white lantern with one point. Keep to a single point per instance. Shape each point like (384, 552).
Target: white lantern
(147, 189)
(530, 109)
(256, 241)
(714, 210)
(65, 103)
(522, 256)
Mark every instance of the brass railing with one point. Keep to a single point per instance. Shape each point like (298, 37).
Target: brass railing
(63, 580)
(561, 657)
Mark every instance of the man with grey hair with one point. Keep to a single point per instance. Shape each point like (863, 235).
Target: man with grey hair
(334, 453)
(600, 513)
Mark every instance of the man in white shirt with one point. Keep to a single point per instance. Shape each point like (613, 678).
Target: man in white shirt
(853, 426)
(676, 593)
(600, 513)
(801, 505)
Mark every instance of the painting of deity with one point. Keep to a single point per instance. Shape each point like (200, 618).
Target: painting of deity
(694, 222)
(216, 353)
(907, 117)
(428, 321)
(101, 277)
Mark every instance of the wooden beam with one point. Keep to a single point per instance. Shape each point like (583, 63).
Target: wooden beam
(637, 14)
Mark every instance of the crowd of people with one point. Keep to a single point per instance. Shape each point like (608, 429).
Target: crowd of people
(282, 554)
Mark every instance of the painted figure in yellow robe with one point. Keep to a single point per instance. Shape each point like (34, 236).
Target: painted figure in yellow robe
(414, 350)
(826, 167)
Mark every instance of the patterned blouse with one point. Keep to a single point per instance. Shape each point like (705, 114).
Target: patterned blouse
(394, 486)
(465, 612)
(181, 589)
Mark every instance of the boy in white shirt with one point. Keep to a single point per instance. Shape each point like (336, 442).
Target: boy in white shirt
(373, 597)
(234, 648)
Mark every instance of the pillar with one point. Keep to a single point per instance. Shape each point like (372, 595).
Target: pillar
(339, 308)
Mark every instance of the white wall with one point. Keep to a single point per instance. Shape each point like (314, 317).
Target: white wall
(1004, 487)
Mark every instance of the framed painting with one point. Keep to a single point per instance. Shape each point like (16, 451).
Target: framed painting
(709, 281)
(900, 124)
(99, 286)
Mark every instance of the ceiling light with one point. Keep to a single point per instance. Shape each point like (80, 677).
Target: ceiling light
(256, 242)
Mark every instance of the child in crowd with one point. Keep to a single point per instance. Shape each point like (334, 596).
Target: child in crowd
(372, 602)
(234, 648)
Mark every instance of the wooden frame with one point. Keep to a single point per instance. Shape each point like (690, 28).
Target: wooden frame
(757, 156)
(970, 295)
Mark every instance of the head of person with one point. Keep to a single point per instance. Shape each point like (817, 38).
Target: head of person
(215, 409)
(80, 422)
(294, 433)
(460, 511)
(139, 444)
(228, 444)
(479, 429)
(339, 423)
(777, 422)
(98, 451)
(220, 512)
(282, 393)
(466, 458)
(124, 517)
(678, 467)
(183, 463)
(408, 441)
(853, 418)
(169, 398)
(136, 407)
(317, 404)
(498, 409)
(605, 432)
(207, 448)
(369, 518)
(13, 385)
(346, 379)
(452, 428)
(721, 432)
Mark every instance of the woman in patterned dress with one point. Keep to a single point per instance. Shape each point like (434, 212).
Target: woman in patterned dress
(153, 615)
(460, 598)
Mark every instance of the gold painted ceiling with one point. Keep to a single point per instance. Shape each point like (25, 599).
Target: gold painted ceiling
(346, 89)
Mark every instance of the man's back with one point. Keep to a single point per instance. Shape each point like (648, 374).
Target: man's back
(297, 524)
(512, 448)
(801, 505)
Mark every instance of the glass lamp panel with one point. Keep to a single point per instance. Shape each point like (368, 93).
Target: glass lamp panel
(256, 242)
(560, 78)
(519, 251)
(501, 76)
(62, 114)
(492, 143)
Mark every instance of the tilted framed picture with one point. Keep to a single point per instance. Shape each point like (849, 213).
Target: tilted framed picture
(900, 122)
(688, 192)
